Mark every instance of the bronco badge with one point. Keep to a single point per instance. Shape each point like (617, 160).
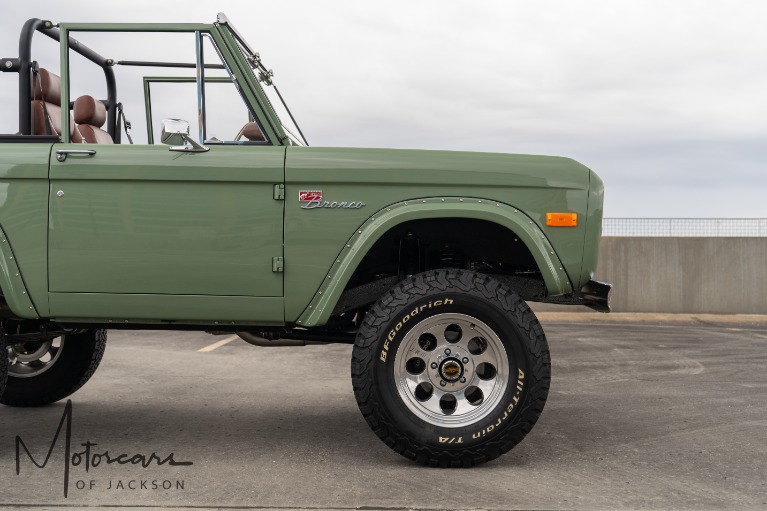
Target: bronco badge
(312, 199)
(309, 195)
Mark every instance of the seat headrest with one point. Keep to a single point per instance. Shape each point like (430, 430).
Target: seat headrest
(47, 85)
(252, 132)
(90, 111)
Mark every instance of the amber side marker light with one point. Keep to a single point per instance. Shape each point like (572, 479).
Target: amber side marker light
(562, 219)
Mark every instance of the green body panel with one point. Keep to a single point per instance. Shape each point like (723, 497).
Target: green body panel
(24, 222)
(593, 228)
(12, 280)
(139, 233)
(164, 309)
(364, 238)
(314, 238)
(141, 219)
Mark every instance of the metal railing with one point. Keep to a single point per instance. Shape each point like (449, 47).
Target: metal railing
(686, 227)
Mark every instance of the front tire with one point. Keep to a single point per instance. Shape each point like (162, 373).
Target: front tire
(451, 368)
(44, 372)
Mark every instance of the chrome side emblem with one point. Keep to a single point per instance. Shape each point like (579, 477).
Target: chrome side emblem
(309, 195)
(312, 199)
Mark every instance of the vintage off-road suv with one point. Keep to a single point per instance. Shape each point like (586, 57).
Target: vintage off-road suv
(423, 260)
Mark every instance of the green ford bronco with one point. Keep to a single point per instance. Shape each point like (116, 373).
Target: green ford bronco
(422, 260)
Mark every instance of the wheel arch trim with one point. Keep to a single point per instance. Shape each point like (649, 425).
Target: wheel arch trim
(15, 292)
(366, 235)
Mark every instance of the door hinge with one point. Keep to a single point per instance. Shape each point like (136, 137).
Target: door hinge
(278, 264)
(279, 192)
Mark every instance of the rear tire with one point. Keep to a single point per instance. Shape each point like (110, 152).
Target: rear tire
(451, 368)
(46, 372)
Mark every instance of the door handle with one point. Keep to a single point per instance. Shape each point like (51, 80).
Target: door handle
(62, 154)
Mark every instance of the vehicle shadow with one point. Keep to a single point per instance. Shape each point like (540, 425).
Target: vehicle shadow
(211, 431)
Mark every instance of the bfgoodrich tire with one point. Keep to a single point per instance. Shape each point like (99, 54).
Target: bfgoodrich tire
(451, 368)
(45, 372)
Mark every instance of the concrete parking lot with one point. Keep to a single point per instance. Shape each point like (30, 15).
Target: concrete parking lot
(645, 412)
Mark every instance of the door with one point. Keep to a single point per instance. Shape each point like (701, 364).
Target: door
(187, 232)
(141, 232)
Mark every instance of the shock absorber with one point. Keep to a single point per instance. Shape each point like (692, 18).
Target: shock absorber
(409, 255)
(447, 255)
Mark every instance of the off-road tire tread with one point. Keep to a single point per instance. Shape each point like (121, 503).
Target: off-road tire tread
(366, 349)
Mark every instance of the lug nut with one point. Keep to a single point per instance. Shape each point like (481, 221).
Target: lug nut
(465, 360)
(443, 383)
(463, 380)
(447, 351)
(433, 365)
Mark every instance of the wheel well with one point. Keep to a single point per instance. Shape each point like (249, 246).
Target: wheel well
(420, 245)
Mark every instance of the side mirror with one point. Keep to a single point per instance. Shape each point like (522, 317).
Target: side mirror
(176, 132)
(173, 131)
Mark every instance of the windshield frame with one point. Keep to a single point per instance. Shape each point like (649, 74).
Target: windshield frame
(259, 73)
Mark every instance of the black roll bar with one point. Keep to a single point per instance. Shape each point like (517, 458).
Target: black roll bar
(25, 86)
(166, 64)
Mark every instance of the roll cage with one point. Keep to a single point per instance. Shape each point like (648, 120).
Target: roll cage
(237, 56)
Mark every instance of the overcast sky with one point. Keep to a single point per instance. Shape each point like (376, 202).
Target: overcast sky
(665, 100)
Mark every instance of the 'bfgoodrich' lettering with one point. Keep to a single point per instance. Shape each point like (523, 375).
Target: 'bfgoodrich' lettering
(393, 332)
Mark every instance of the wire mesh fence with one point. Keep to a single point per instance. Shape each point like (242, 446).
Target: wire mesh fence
(686, 227)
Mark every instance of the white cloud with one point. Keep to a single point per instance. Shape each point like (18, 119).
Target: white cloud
(662, 99)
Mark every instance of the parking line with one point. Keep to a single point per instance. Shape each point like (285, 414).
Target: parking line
(218, 344)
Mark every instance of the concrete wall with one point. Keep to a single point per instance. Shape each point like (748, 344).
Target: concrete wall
(692, 275)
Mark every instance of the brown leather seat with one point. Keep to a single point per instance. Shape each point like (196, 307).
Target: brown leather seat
(252, 132)
(46, 105)
(90, 114)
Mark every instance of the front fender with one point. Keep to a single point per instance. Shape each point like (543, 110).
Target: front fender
(557, 282)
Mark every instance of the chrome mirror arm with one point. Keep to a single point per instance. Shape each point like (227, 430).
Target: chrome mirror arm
(190, 146)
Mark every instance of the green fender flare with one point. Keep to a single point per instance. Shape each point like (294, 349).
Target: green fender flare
(319, 309)
(12, 282)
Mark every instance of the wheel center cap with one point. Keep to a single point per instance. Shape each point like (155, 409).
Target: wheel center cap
(451, 370)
